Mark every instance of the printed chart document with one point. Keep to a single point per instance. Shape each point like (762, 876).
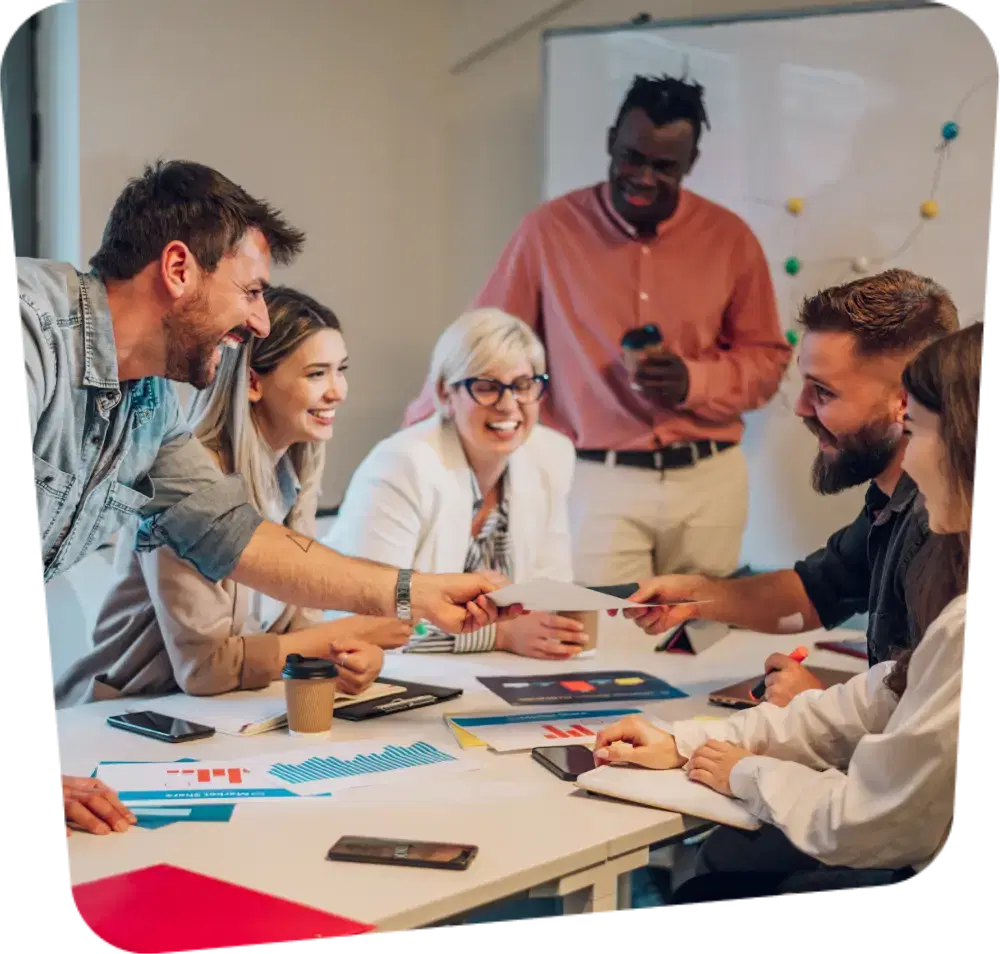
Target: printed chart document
(548, 596)
(671, 790)
(246, 713)
(319, 770)
(515, 732)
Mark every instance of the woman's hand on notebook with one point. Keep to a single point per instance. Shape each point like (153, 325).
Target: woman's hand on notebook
(786, 678)
(636, 741)
(712, 763)
(358, 663)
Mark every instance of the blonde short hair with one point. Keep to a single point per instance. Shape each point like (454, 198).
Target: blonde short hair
(481, 340)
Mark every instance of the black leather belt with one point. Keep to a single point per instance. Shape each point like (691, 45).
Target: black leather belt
(667, 458)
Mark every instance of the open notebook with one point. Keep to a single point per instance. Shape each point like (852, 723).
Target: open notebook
(245, 713)
(671, 790)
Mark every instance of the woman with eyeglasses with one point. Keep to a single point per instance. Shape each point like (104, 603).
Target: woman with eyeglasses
(480, 485)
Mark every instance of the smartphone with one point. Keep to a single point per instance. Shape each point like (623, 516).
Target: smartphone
(389, 851)
(162, 727)
(569, 762)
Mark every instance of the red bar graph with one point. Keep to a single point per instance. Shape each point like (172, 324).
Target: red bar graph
(554, 733)
(206, 776)
(580, 730)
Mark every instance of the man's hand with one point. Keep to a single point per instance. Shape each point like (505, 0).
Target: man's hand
(89, 805)
(655, 620)
(386, 633)
(712, 763)
(358, 663)
(663, 376)
(787, 679)
(636, 741)
(457, 602)
(541, 635)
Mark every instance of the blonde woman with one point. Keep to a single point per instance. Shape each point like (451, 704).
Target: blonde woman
(480, 485)
(164, 626)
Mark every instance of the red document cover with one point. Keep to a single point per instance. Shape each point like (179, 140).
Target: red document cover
(162, 908)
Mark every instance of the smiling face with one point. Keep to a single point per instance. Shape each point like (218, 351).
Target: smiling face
(648, 164)
(499, 430)
(216, 309)
(926, 461)
(854, 406)
(298, 399)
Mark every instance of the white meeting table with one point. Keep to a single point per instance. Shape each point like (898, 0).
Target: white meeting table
(536, 834)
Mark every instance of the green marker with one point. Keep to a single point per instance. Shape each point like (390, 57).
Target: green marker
(420, 629)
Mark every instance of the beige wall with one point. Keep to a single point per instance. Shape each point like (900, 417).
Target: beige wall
(333, 111)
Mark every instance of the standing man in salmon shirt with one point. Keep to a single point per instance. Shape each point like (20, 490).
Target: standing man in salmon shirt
(661, 480)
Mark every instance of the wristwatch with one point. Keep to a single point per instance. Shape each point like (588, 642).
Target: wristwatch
(404, 612)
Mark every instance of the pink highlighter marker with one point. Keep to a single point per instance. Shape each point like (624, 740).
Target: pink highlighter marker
(757, 693)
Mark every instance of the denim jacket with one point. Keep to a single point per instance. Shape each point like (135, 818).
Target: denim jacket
(108, 452)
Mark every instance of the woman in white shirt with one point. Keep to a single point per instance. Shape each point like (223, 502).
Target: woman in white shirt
(479, 485)
(859, 779)
(163, 626)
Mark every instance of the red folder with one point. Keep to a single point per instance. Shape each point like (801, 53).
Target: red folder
(162, 908)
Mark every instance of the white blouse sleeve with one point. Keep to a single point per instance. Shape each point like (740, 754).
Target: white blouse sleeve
(891, 804)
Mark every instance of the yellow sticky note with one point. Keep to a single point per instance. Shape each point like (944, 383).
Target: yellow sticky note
(464, 737)
(629, 681)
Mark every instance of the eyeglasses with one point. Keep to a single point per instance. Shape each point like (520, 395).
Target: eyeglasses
(488, 392)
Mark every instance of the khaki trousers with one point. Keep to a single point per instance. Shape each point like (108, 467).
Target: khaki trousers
(628, 524)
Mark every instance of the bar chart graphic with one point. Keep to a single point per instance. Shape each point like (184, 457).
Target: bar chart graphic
(213, 776)
(388, 759)
(572, 732)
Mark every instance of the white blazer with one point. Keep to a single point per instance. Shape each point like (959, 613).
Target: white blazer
(410, 503)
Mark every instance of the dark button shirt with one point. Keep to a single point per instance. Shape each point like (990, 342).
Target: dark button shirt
(863, 569)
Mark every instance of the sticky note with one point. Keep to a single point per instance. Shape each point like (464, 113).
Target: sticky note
(578, 686)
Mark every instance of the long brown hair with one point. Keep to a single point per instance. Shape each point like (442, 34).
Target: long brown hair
(944, 379)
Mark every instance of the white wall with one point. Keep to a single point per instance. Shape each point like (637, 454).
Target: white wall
(331, 110)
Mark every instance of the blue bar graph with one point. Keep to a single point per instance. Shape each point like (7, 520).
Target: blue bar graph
(392, 757)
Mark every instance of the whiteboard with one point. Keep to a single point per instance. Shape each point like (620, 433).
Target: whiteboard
(843, 110)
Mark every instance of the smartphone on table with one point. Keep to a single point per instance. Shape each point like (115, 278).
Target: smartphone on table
(391, 851)
(158, 726)
(569, 762)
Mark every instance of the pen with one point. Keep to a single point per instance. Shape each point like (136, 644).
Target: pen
(403, 703)
(757, 693)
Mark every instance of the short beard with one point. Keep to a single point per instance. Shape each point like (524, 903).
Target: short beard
(860, 457)
(188, 358)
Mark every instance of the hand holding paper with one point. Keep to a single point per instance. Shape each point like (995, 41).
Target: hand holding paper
(543, 595)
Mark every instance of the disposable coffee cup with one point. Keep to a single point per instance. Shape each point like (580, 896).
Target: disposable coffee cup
(310, 690)
(635, 344)
(590, 621)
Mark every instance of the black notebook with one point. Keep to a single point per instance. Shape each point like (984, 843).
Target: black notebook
(417, 696)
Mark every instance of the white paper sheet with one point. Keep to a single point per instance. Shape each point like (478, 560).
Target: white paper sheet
(553, 596)
(671, 790)
(295, 773)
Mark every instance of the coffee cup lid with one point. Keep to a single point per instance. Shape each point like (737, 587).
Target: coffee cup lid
(308, 667)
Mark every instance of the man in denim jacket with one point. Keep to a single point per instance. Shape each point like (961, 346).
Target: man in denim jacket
(180, 274)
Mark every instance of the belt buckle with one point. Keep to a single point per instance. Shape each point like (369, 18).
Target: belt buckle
(658, 460)
(610, 458)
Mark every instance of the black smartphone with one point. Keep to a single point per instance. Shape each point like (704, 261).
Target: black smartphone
(162, 727)
(390, 851)
(569, 762)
